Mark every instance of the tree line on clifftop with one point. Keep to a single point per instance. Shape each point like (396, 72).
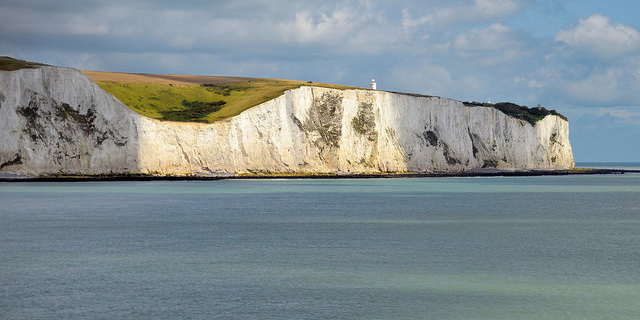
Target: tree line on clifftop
(531, 115)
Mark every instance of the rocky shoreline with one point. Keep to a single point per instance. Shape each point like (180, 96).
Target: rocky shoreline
(148, 177)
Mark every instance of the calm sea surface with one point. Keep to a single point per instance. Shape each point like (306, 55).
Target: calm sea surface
(564, 247)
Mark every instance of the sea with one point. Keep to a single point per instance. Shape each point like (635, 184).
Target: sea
(548, 247)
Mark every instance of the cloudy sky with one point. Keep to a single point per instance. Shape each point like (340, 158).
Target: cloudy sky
(580, 57)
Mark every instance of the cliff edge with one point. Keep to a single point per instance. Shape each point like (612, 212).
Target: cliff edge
(57, 121)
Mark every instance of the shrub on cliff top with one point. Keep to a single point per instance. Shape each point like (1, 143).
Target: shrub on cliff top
(531, 115)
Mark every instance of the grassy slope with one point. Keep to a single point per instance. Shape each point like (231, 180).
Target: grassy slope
(164, 101)
(11, 64)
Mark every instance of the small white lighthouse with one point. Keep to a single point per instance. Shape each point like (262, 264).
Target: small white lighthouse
(373, 84)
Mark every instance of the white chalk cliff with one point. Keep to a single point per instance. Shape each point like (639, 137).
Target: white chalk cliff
(56, 120)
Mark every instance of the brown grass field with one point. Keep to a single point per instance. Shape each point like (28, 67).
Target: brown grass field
(161, 79)
(193, 98)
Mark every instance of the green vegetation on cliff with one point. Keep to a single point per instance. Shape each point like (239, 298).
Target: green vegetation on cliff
(199, 103)
(531, 115)
(11, 64)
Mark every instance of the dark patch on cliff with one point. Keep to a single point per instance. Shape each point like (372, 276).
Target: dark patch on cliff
(33, 128)
(84, 121)
(17, 160)
(484, 152)
(474, 149)
(429, 138)
(297, 122)
(490, 163)
(473, 138)
(58, 126)
(365, 121)
(325, 119)
(447, 154)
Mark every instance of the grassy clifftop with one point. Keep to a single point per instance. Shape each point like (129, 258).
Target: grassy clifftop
(208, 98)
(212, 98)
(193, 98)
(11, 64)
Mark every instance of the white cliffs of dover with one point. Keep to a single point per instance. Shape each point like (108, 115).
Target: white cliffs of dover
(56, 120)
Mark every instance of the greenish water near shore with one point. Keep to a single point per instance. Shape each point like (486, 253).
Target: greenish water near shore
(550, 247)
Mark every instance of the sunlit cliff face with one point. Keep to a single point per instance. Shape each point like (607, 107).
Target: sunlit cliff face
(55, 120)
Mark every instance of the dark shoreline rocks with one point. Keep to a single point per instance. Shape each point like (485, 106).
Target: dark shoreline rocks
(147, 177)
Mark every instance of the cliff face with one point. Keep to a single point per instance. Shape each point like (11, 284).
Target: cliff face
(55, 120)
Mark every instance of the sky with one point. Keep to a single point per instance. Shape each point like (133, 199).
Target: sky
(579, 57)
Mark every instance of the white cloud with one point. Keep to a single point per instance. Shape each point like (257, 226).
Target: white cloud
(434, 79)
(625, 114)
(481, 10)
(535, 84)
(599, 36)
(494, 45)
(351, 28)
(425, 78)
(493, 38)
(308, 27)
(599, 87)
